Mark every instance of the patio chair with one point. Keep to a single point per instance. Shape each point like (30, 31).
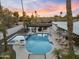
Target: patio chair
(21, 42)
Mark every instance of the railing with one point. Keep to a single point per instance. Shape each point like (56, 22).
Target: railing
(11, 31)
(75, 35)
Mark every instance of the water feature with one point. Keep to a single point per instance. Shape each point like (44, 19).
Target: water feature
(64, 25)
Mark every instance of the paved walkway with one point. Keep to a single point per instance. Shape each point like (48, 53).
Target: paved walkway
(54, 36)
(11, 31)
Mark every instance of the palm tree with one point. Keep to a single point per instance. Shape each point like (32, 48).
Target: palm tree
(57, 52)
(69, 25)
(36, 15)
(23, 15)
(77, 16)
(35, 19)
(4, 36)
(24, 21)
(3, 28)
(60, 13)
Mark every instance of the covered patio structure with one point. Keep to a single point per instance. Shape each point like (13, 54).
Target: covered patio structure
(37, 26)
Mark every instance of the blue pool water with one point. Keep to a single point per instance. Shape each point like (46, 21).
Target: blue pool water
(38, 44)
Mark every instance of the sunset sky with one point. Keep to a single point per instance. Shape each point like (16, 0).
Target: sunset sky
(43, 7)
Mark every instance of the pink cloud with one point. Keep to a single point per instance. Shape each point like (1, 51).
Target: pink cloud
(47, 8)
(75, 6)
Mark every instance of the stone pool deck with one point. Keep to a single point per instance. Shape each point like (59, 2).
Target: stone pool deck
(22, 54)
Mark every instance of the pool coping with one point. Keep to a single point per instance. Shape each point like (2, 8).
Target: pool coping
(49, 42)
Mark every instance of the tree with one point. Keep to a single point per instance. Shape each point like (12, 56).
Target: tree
(4, 36)
(32, 18)
(16, 16)
(35, 18)
(69, 25)
(78, 16)
(3, 30)
(36, 14)
(6, 51)
(7, 17)
(57, 52)
(25, 19)
(60, 13)
(60, 17)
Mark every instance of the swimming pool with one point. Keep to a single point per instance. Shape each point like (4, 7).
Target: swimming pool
(38, 44)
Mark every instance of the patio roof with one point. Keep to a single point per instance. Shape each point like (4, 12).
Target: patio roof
(37, 24)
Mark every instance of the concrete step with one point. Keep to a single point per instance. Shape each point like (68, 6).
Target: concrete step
(32, 56)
